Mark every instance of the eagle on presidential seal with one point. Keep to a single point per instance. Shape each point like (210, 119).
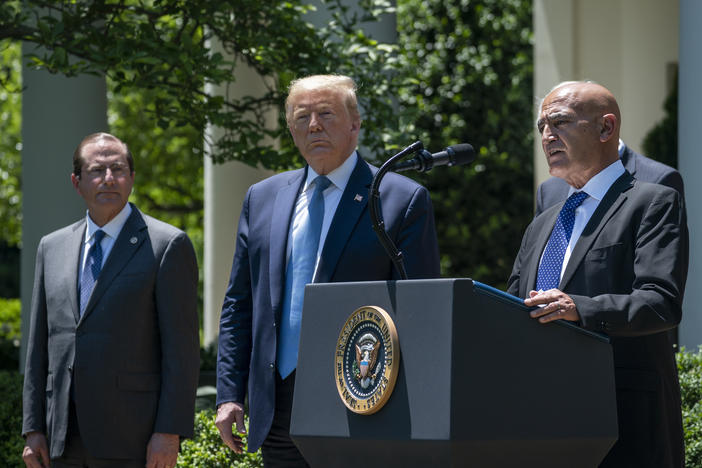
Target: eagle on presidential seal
(366, 357)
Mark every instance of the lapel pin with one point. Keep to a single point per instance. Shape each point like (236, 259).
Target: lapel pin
(133, 240)
(358, 198)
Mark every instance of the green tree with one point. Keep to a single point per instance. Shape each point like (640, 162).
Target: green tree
(164, 45)
(10, 146)
(470, 67)
(661, 142)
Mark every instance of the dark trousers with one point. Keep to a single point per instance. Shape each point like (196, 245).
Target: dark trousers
(278, 449)
(75, 455)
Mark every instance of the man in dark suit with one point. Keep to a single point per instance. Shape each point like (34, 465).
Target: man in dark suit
(113, 349)
(555, 190)
(259, 328)
(612, 259)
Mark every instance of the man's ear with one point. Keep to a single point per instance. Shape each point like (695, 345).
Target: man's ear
(75, 180)
(608, 127)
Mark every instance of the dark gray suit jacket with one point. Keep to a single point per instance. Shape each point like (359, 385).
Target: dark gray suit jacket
(132, 359)
(626, 276)
(351, 252)
(555, 190)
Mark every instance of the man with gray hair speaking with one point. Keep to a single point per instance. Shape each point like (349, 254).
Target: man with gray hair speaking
(611, 258)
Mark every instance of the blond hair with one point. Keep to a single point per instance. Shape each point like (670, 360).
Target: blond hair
(344, 85)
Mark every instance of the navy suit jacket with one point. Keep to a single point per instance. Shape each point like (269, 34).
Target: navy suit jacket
(626, 275)
(252, 306)
(555, 190)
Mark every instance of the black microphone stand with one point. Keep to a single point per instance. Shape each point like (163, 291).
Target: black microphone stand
(374, 207)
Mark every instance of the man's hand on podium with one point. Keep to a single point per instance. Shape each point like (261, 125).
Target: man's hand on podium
(553, 305)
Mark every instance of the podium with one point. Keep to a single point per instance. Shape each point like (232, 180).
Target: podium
(480, 383)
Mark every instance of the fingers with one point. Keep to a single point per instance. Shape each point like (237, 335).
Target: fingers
(36, 451)
(228, 414)
(551, 305)
(239, 417)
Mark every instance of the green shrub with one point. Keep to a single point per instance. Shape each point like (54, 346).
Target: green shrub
(690, 374)
(11, 441)
(206, 450)
(10, 329)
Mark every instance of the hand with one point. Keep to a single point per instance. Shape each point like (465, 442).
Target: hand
(227, 414)
(559, 306)
(36, 451)
(162, 451)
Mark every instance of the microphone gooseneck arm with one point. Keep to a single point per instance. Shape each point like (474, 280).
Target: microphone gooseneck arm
(374, 208)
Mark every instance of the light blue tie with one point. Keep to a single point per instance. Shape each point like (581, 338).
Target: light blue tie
(549, 275)
(298, 273)
(91, 270)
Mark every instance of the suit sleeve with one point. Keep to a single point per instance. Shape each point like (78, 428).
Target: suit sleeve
(176, 306)
(235, 324)
(514, 281)
(674, 180)
(417, 238)
(36, 364)
(654, 302)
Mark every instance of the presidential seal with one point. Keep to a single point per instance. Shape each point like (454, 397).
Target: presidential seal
(367, 360)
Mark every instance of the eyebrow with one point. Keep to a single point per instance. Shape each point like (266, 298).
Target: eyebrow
(552, 116)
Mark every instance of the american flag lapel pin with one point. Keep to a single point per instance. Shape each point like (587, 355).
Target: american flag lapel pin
(358, 198)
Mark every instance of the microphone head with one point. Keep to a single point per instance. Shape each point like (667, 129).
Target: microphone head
(463, 153)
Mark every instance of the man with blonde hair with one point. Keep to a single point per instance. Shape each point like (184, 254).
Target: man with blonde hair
(303, 226)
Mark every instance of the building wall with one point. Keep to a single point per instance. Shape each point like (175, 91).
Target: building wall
(626, 45)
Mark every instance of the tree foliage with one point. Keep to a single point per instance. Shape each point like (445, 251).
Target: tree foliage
(661, 142)
(164, 45)
(10, 146)
(469, 64)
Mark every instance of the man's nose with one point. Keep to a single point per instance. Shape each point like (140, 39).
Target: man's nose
(108, 177)
(315, 123)
(547, 134)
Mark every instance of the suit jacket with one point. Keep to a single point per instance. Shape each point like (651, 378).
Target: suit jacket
(132, 359)
(555, 190)
(626, 275)
(351, 252)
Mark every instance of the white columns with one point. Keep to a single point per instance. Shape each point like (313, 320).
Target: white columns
(57, 112)
(690, 162)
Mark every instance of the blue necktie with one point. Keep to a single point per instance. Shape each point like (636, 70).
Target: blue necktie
(298, 273)
(91, 270)
(549, 275)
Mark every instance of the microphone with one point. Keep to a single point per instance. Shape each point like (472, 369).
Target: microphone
(455, 155)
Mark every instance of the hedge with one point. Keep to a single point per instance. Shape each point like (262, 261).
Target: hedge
(207, 451)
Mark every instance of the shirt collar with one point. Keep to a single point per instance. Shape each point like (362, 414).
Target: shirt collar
(112, 228)
(339, 176)
(598, 185)
(621, 147)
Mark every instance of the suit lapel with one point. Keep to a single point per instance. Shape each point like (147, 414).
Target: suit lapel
(613, 199)
(351, 205)
(280, 226)
(72, 258)
(131, 236)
